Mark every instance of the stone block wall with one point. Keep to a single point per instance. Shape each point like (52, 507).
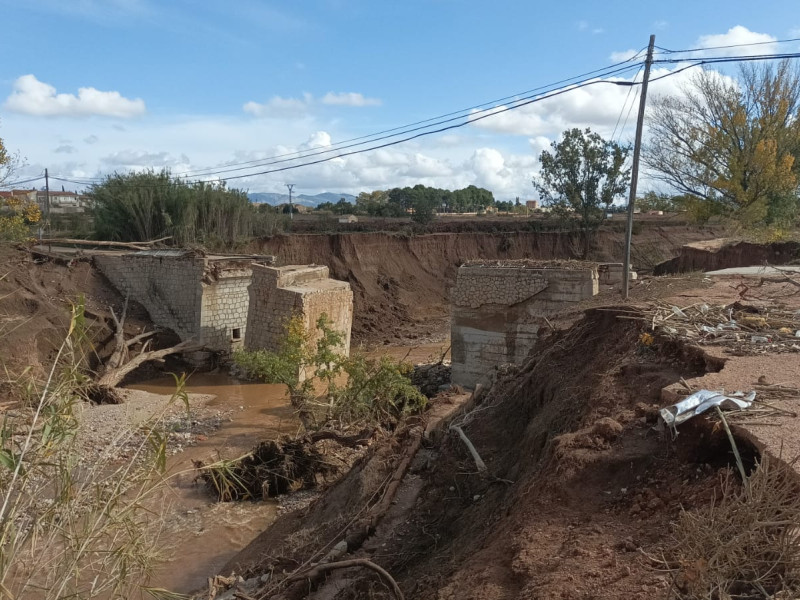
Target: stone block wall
(497, 311)
(279, 293)
(168, 286)
(223, 312)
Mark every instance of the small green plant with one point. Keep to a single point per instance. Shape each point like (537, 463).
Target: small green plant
(311, 366)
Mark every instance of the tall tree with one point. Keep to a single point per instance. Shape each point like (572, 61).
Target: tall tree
(730, 143)
(580, 175)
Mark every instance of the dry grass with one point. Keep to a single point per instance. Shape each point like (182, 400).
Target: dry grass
(745, 545)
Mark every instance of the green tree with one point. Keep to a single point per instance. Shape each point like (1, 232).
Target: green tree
(733, 144)
(580, 175)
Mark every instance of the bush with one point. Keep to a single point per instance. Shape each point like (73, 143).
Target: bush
(309, 364)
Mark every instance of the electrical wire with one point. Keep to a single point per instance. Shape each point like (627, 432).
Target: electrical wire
(601, 72)
(470, 118)
(627, 96)
(668, 51)
(12, 184)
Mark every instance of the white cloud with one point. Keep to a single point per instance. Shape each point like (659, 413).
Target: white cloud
(623, 55)
(279, 107)
(90, 139)
(33, 97)
(349, 99)
(65, 149)
(736, 36)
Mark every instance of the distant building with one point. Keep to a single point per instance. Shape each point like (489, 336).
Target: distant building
(28, 195)
(532, 204)
(655, 212)
(62, 202)
(348, 219)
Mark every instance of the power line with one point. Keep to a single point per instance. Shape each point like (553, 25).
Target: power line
(470, 118)
(627, 97)
(668, 51)
(11, 184)
(332, 147)
(403, 130)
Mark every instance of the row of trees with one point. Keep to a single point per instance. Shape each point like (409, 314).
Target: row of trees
(420, 201)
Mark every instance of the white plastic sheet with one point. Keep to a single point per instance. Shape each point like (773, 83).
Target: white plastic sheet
(701, 401)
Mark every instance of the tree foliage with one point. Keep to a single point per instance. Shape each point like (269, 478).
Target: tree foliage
(311, 366)
(732, 144)
(580, 175)
(146, 205)
(17, 216)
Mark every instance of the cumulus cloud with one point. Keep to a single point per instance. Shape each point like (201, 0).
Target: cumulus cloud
(90, 139)
(622, 55)
(140, 159)
(65, 149)
(33, 97)
(279, 107)
(349, 99)
(736, 36)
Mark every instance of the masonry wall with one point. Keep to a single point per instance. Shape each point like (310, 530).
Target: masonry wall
(186, 294)
(224, 307)
(168, 287)
(279, 293)
(497, 312)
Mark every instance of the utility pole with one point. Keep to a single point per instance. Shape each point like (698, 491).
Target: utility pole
(47, 201)
(291, 210)
(637, 148)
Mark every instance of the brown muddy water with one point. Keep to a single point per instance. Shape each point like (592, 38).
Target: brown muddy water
(201, 535)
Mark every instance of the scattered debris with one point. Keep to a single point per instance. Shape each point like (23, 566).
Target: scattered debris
(701, 401)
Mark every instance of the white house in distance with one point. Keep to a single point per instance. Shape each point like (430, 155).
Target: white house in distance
(348, 219)
(62, 202)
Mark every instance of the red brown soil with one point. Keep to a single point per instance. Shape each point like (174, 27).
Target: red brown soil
(725, 253)
(579, 485)
(36, 299)
(401, 283)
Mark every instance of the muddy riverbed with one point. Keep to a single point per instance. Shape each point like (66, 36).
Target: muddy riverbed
(200, 534)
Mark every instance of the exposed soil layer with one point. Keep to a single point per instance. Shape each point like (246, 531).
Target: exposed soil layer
(35, 307)
(578, 485)
(401, 283)
(726, 253)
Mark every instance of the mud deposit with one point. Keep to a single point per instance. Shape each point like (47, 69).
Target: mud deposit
(202, 534)
(578, 487)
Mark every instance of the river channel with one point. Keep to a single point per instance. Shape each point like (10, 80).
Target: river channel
(202, 535)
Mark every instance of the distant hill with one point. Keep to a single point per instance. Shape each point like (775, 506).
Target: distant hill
(304, 199)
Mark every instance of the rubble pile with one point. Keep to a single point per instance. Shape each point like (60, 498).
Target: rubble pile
(740, 329)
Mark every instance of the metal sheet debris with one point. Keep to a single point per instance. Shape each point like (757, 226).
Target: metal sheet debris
(701, 401)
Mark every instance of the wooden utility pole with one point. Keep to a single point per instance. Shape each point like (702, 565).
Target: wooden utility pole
(47, 204)
(637, 148)
(291, 210)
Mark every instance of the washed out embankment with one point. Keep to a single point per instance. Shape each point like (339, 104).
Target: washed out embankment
(401, 283)
(724, 253)
(577, 484)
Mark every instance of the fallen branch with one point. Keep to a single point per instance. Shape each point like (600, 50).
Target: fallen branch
(475, 456)
(316, 573)
(131, 245)
(114, 377)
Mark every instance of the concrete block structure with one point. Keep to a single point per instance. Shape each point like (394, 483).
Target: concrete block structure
(611, 274)
(201, 298)
(279, 293)
(497, 309)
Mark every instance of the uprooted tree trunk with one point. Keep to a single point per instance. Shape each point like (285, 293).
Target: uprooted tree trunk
(122, 362)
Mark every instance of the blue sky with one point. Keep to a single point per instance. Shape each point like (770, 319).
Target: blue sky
(188, 85)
